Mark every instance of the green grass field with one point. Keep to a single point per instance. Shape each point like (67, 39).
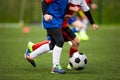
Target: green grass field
(102, 50)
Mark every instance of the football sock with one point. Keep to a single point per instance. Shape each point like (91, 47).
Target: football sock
(42, 49)
(70, 43)
(72, 50)
(85, 24)
(37, 45)
(56, 55)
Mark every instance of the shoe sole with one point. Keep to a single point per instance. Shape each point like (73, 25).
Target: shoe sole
(57, 72)
(30, 61)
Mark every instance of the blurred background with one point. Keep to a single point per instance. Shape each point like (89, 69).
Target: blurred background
(29, 11)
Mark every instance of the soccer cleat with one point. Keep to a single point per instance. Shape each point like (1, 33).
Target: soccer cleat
(84, 36)
(69, 66)
(28, 58)
(58, 69)
(78, 36)
(30, 44)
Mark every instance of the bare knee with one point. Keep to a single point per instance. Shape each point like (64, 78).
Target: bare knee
(76, 44)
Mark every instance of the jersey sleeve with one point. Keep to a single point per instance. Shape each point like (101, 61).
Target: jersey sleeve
(88, 1)
(45, 3)
(84, 6)
(89, 16)
(49, 1)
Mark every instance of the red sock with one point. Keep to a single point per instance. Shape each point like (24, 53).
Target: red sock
(37, 45)
(72, 50)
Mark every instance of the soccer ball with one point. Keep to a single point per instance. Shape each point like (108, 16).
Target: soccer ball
(78, 61)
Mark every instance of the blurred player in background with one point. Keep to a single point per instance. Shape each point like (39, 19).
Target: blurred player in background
(81, 34)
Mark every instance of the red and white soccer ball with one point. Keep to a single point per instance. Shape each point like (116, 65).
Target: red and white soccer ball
(78, 61)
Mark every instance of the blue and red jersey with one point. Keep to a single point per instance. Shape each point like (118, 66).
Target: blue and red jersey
(57, 9)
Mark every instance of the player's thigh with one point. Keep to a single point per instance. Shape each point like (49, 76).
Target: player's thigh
(56, 36)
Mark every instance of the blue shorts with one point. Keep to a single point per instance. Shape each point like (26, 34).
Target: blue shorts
(71, 20)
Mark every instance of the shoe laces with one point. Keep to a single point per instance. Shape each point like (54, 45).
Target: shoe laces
(58, 66)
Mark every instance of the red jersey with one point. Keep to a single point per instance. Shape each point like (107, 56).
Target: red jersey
(88, 1)
(72, 3)
(68, 12)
